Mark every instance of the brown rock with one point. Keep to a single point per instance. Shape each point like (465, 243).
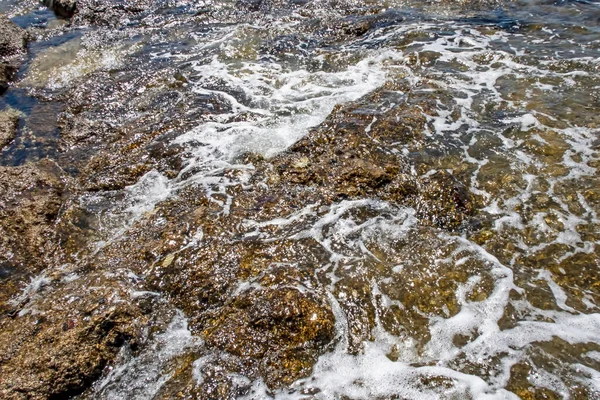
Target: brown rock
(13, 39)
(443, 201)
(63, 338)
(8, 127)
(275, 330)
(106, 12)
(351, 155)
(284, 328)
(30, 199)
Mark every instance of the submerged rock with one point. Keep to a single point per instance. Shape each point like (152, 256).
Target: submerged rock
(345, 236)
(279, 322)
(444, 201)
(258, 301)
(105, 12)
(352, 155)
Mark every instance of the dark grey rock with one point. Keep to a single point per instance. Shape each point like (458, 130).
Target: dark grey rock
(63, 8)
(13, 41)
(6, 74)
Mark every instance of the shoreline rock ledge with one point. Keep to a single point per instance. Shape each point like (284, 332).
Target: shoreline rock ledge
(13, 41)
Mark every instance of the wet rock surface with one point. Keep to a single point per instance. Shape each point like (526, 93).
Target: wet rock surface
(105, 12)
(144, 139)
(351, 156)
(13, 40)
(278, 329)
(6, 75)
(8, 127)
(31, 199)
(63, 338)
(283, 328)
(174, 249)
(110, 12)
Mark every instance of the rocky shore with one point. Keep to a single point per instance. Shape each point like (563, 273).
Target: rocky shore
(252, 265)
(13, 42)
(68, 325)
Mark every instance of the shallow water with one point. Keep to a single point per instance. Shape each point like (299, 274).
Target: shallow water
(505, 307)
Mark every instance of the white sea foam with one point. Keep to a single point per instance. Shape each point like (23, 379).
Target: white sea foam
(282, 103)
(142, 376)
(285, 104)
(33, 289)
(137, 199)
